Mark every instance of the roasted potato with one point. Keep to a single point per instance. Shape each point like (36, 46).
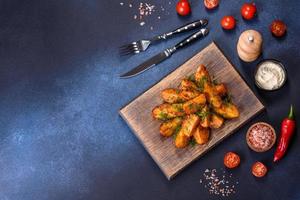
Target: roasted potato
(169, 127)
(171, 95)
(188, 85)
(194, 105)
(189, 125)
(228, 111)
(212, 96)
(181, 140)
(167, 111)
(201, 135)
(216, 121)
(190, 112)
(202, 74)
(221, 89)
(204, 116)
(189, 94)
(204, 83)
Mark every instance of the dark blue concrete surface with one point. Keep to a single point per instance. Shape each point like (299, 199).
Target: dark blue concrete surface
(60, 133)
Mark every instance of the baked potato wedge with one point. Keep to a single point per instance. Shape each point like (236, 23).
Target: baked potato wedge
(202, 75)
(171, 95)
(212, 96)
(189, 94)
(189, 124)
(204, 115)
(228, 111)
(201, 135)
(167, 111)
(221, 89)
(216, 121)
(188, 85)
(204, 83)
(181, 140)
(194, 104)
(192, 110)
(169, 127)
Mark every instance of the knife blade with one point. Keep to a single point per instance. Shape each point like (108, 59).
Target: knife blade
(165, 54)
(146, 65)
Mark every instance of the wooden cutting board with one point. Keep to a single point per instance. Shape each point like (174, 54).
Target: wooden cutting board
(137, 113)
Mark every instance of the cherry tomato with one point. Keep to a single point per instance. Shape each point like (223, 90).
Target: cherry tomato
(248, 11)
(259, 169)
(278, 28)
(228, 22)
(183, 7)
(211, 4)
(231, 160)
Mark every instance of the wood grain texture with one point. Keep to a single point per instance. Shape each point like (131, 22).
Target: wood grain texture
(138, 112)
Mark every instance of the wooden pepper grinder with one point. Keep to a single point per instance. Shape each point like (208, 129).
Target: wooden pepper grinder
(249, 45)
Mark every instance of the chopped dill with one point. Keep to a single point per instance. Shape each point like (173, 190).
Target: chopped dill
(227, 99)
(191, 106)
(191, 77)
(215, 82)
(163, 116)
(176, 131)
(193, 142)
(201, 83)
(178, 107)
(203, 114)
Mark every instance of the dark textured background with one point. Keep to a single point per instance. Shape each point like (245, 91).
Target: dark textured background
(60, 133)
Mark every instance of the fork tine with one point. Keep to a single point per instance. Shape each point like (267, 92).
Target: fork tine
(127, 52)
(128, 45)
(130, 49)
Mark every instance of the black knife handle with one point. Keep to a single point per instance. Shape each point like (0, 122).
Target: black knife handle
(182, 29)
(192, 38)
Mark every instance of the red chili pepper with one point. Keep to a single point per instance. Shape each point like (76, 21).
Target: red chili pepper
(288, 126)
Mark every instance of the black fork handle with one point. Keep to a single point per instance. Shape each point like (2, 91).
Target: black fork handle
(182, 29)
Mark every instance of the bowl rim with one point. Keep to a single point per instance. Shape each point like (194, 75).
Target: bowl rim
(275, 61)
(261, 150)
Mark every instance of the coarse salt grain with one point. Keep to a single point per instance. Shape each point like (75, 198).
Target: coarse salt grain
(144, 10)
(218, 184)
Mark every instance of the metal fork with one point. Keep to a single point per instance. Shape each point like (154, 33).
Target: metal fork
(142, 45)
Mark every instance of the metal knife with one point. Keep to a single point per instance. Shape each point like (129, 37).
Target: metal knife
(165, 54)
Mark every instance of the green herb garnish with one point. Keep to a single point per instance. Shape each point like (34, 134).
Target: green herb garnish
(215, 82)
(191, 106)
(163, 116)
(227, 99)
(176, 131)
(178, 107)
(191, 77)
(202, 82)
(203, 114)
(193, 142)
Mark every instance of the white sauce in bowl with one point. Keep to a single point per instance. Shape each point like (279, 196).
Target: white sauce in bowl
(270, 75)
